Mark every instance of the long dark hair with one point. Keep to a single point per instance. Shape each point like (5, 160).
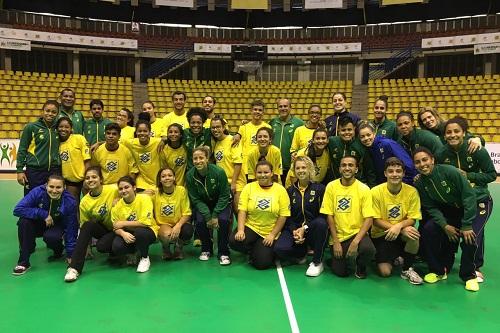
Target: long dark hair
(311, 151)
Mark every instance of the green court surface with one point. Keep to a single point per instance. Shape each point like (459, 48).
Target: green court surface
(194, 296)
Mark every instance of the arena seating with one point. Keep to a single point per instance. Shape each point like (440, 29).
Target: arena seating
(23, 93)
(234, 97)
(474, 97)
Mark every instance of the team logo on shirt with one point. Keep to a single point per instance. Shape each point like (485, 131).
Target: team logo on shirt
(317, 170)
(394, 211)
(344, 204)
(145, 158)
(445, 185)
(152, 134)
(102, 210)
(384, 132)
(253, 139)
(179, 161)
(64, 156)
(132, 217)
(112, 165)
(167, 210)
(263, 204)
(219, 155)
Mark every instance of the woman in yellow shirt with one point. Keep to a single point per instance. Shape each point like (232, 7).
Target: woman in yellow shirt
(75, 156)
(265, 151)
(145, 152)
(174, 155)
(125, 118)
(133, 224)
(303, 134)
(157, 124)
(172, 213)
(263, 209)
(95, 220)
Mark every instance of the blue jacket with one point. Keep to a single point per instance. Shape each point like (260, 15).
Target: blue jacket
(382, 149)
(313, 198)
(36, 206)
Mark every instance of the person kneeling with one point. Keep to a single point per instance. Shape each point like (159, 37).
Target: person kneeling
(396, 206)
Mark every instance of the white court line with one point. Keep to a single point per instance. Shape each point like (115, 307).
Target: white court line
(288, 302)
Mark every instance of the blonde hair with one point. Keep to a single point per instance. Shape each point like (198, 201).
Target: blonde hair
(309, 165)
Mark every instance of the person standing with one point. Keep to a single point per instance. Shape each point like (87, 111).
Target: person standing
(339, 101)
(179, 114)
(93, 128)
(67, 109)
(348, 206)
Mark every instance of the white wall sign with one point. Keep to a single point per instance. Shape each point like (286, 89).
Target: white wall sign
(285, 49)
(487, 48)
(8, 154)
(316, 4)
(15, 44)
(175, 3)
(493, 149)
(462, 40)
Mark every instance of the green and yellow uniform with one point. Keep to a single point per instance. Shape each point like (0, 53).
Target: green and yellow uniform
(158, 127)
(192, 141)
(387, 129)
(140, 210)
(263, 206)
(171, 118)
(114, 164)
(98, 209)
(94, 130)
(273, 156)
(147, 159)
(127, 133)
(394, 208)
(349, 206)
(301, 138)
(320, 167)
(169, 208)
(73, 153)
(283, 135)
(226, 156)
(248, 140)
(419, 138)
(76, 118)
(175, 159)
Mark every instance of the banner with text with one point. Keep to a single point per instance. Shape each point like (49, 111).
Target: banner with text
(317, 4)
(400, 2)
(487, 48)
(462, 40)
(175, 3)
(494, 151)
(285, 48)
(8, 156)
(15, 44)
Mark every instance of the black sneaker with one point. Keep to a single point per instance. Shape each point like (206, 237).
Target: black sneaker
(360, 272)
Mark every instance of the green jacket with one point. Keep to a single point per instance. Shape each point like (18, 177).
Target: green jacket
(387, 129)
(191, 141)
(209, 195)
(440, 129)
(445, 186)
(39, 147)
(338, 149)
(283, 135)
(94, 130)
(418, 138)
(479, 167)
(76, 117)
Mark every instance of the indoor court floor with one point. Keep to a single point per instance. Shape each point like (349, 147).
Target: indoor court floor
(194, 296)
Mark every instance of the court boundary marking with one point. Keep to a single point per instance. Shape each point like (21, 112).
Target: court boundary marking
(288, 301)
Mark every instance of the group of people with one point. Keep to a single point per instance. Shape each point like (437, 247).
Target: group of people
(377, 190)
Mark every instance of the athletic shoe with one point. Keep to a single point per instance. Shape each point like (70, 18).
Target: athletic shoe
(71, 275)
(314, 269)
(399, 261)
(479, 277)
(20, 270)
(224, 260)
(144, 265)
(197, 243)
(472, 285)
(411, 276)
(204, 256)
(54, 257)
(433, 277)
(360, 272)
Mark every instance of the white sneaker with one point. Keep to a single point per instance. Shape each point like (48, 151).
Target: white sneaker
(71, 275)
(314, 270)
(144, 265)
(204, 256)
(411, 276)
(224, 260)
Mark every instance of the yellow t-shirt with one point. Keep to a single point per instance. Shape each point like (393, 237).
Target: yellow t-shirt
(248, 140)
(140, 210)
(394, 208)
(158, 127)
(73, 153)
(114, 164)
(264, 206)
(170, 208)
(301, 138)
(148, 161)
(226, 157)
(171, 118)
(127, 133)
(349, 205)
(273, 156)
(99, 208)
(176, 160)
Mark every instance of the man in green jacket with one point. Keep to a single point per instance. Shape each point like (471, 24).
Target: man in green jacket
(94, 127)
(284, 127)
(39, 149)
(66, 109)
